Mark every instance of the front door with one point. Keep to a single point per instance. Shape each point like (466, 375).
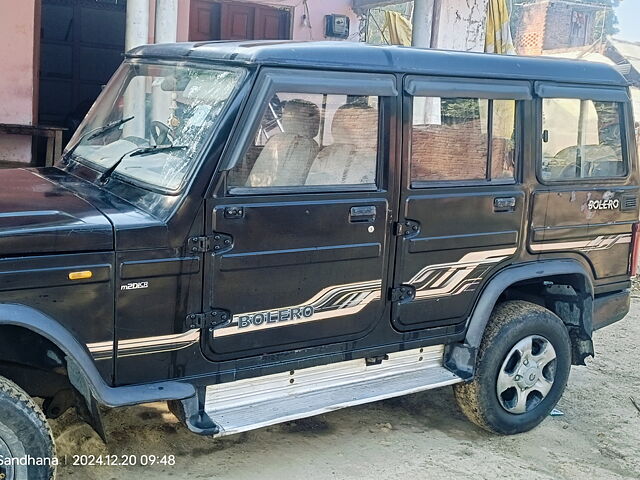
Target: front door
(299, 220)
(462, 205)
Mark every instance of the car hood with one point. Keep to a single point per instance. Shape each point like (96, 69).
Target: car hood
(38, 215)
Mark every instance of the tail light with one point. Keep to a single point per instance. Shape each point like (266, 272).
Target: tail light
(635, 242)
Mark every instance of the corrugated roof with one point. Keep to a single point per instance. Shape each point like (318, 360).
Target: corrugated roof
(629, 50)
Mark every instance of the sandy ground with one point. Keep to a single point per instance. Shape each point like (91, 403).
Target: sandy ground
(420, 436)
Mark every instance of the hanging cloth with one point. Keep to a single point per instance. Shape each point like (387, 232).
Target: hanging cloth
(498, 38)
(398, 28)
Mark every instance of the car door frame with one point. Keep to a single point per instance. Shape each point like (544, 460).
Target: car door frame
(459, 87)
(271, 80)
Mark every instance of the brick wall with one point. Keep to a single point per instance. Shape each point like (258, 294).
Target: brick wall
(455, 152)
(559, 25)
(530, 31)
(547, 25)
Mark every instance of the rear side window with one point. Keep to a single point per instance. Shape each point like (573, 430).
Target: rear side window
(463, 139)
(581, 139)
(311, 140)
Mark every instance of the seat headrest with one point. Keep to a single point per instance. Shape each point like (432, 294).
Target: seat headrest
(355, 125)
(301, 117)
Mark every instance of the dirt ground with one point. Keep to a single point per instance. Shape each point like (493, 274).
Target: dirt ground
(420, 436)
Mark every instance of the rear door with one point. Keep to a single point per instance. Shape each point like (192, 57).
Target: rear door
(587, 200)
(462, 205)
(299, 222)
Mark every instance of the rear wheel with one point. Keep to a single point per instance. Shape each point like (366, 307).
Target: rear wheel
(24, 434)
(521, 371)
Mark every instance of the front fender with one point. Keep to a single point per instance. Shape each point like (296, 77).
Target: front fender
(83, 372)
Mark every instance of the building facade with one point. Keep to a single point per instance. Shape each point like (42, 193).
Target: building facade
(57, 54)
(556, 24)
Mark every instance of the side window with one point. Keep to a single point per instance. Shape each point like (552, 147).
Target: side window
(312, 140)
(581, 139)
(463, 139)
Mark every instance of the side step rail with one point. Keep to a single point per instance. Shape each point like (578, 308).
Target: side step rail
(258, 402)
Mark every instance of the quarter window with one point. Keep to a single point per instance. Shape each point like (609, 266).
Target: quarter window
(581, 139)
(312, 140)
(463, 139)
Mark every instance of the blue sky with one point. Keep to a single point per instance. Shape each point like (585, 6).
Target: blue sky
(629, 17)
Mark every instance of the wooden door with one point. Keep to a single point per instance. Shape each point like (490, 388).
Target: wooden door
(236, 21)
(201, 21)
(269, 23)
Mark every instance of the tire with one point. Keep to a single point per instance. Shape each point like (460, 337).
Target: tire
(531, 381)
(24, 433)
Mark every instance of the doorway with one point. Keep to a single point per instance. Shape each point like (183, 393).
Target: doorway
(81, 47)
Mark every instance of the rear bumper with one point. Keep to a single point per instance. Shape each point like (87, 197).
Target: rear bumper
(610, 308)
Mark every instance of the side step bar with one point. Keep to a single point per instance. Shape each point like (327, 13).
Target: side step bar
(258, 402)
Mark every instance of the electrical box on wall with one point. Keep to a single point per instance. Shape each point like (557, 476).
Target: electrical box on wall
(336, 26)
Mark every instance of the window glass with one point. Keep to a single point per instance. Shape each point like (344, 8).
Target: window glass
(503, 139)
(312, 140)
(581, 139)
(458, 139)
(148, 105)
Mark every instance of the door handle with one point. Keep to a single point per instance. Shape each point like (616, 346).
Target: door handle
(366, 214)
(504, 204)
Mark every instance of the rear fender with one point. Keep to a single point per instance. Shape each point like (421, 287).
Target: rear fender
(461, 357)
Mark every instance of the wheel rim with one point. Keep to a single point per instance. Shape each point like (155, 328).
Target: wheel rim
(6, 471)
(526, 375)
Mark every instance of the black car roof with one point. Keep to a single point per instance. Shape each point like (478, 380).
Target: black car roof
(363, 57)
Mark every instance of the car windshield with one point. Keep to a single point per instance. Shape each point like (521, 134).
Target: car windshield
(147, 105)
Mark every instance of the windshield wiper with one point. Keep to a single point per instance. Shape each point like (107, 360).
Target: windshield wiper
(139, 152)
(95, 133)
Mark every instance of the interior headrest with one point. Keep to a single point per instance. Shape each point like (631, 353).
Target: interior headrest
(301, 117)
(355, 125)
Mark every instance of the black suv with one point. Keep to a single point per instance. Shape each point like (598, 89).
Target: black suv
(266, 231)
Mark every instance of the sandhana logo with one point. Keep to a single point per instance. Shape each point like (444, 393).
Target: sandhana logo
(28, 460)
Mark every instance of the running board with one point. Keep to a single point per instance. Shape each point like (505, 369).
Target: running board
(258, 402)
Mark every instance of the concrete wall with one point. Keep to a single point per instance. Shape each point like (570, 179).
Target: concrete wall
(461, 25)
(19, 24)
(317, 10)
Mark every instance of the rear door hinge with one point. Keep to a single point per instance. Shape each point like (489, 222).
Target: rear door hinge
(216, 243)
(211, 319)
(402, 294)
(407, 228)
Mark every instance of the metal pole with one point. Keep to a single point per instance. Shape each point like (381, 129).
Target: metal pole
(166, 21)
(426, 110)
(166, 31)
(137, 33)
(422, 23)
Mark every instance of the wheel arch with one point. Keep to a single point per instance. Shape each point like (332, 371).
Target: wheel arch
(82, 371)
(510, 283)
